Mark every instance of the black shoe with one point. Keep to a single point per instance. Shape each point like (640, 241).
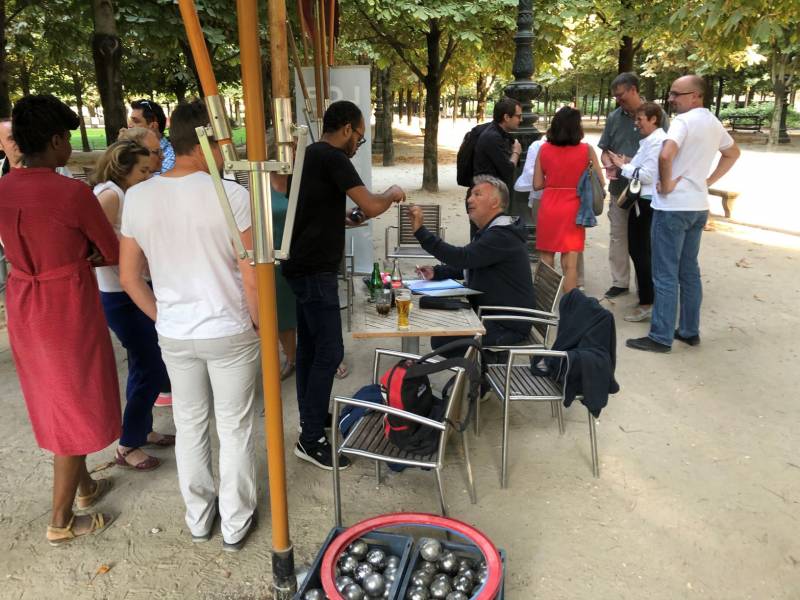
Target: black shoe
(648, 345)
(199, 539)
(615, 291)
(236, 546)
(319, 453)
(692, 340)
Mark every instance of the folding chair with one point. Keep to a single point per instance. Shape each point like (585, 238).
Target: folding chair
(407, 245)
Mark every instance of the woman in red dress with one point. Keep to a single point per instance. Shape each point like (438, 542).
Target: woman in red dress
(559, 166)
(54, 231)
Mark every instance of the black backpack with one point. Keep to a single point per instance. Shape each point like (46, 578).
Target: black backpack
(408, 388)
(465, 170)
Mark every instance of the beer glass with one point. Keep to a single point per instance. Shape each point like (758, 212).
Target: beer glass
(402, 299)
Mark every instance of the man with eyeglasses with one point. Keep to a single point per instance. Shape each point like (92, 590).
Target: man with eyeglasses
(621, 136)
(680, 211)
(149, 114)
(316, 252)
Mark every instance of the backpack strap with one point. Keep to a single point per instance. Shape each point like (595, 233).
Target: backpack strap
(454, 345)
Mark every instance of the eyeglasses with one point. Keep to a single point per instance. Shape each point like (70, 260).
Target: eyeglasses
(676, 94)
(361, 139)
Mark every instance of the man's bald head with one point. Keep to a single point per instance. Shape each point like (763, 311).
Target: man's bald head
(687, 92)
(694, 83)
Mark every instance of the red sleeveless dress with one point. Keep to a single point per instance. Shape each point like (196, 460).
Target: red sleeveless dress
(562, 166)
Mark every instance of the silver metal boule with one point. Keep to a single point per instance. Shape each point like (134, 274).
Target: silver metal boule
(390, 573)
(462, 584)
(342, 582)
(374, 585)
(430, 549)
(348, 564)
(418, 593)
(362, 570)
(353, 592)
(448, 563)
(392, 561)
(468, 573)
(465, 563)
(358, 549)
(456, 596)
(421, 578)
(377, 559)
(428, 566)
(314, 594)
(440, 588)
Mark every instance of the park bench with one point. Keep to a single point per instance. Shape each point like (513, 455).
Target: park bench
(746, 122)
(728, 199)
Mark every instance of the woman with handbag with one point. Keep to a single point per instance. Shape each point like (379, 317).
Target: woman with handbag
(558, 169)
(643, 167)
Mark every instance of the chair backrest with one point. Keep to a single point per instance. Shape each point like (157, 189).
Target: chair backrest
(82, 176)
(547, 284)
(242, 178)
(405, 234)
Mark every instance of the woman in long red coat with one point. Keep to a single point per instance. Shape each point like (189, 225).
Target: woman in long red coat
(54, 231)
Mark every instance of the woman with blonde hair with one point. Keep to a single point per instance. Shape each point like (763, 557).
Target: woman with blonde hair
(148, 139)
(124, 164)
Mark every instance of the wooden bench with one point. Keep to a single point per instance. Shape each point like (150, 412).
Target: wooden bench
(728, 199)
(746, 123)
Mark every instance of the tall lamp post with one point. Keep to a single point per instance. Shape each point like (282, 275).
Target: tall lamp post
(525, 90)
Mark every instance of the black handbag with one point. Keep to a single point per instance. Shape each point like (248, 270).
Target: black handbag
(631, 194)
(443, 303)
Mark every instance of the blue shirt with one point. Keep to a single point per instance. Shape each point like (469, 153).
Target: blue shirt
(168, 162)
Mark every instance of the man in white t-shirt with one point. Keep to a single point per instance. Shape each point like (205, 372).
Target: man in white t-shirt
(680, 211)
(203, 302)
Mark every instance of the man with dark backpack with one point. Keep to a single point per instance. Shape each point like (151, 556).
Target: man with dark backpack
(492, 148)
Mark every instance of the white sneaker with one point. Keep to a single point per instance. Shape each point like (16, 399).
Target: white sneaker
(639, 314)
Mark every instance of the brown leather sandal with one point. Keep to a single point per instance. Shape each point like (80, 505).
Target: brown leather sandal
(148, 464)
(57, 536)
(101, 488)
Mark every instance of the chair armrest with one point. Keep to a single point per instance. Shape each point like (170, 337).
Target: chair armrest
(519, 310)
(441, 426)
(553, 322)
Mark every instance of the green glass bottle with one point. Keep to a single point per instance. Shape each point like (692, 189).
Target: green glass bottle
(375, 282)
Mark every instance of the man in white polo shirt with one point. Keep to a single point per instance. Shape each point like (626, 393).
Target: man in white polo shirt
(680, 211)
(204, 304)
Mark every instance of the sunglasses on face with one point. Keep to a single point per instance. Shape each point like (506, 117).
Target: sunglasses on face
(361, 139)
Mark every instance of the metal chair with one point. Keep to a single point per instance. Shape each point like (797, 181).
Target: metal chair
(366, 438)
(83, 176)
(347, 274)
(407, 245)
(547, 284)
(514, 382)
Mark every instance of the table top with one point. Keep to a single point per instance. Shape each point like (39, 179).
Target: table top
(367, 323)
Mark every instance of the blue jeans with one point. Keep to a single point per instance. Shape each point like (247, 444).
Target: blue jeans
(675, 240)
(320, 348)
(147, 375)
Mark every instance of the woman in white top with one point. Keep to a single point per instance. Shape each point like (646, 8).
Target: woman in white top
(124, 164)
(648, 120)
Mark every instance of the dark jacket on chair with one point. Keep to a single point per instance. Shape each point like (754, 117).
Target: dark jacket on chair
(586, 331)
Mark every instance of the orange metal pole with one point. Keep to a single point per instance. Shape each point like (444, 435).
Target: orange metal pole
(324, 51)
(247, 12)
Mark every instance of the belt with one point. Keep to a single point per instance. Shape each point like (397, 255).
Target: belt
(58, 273)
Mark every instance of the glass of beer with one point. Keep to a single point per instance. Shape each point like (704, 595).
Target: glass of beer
(402, 299)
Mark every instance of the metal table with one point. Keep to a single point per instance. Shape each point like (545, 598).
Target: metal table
(367, 323)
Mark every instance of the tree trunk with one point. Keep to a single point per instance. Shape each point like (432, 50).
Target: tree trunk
(748, 98)
(180, 88)
(409, 106)
(377, 139)
(709, 86)
(649, 88)
(400, 108)
(5, 95)
(779, 63)
(720, 89)
(25, 78)
(626, 54)
(455, 103)
(77, 87)
(388, 139)
(481, 93)
(237, 111)
(433, 93)
(107, 52)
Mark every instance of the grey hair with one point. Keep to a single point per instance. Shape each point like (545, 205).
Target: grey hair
(629, 80)
(500, 187)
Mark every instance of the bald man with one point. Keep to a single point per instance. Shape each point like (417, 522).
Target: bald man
(680, 211)
(13, 158)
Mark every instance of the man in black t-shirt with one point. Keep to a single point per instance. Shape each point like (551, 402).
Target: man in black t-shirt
(316, 252)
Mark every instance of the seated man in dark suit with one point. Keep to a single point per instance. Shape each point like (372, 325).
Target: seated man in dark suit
(495, 262)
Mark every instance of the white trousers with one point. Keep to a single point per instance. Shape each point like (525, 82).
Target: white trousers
(219, 375)
(618, 258)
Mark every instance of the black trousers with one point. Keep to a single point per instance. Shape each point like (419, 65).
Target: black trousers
(639, 249)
